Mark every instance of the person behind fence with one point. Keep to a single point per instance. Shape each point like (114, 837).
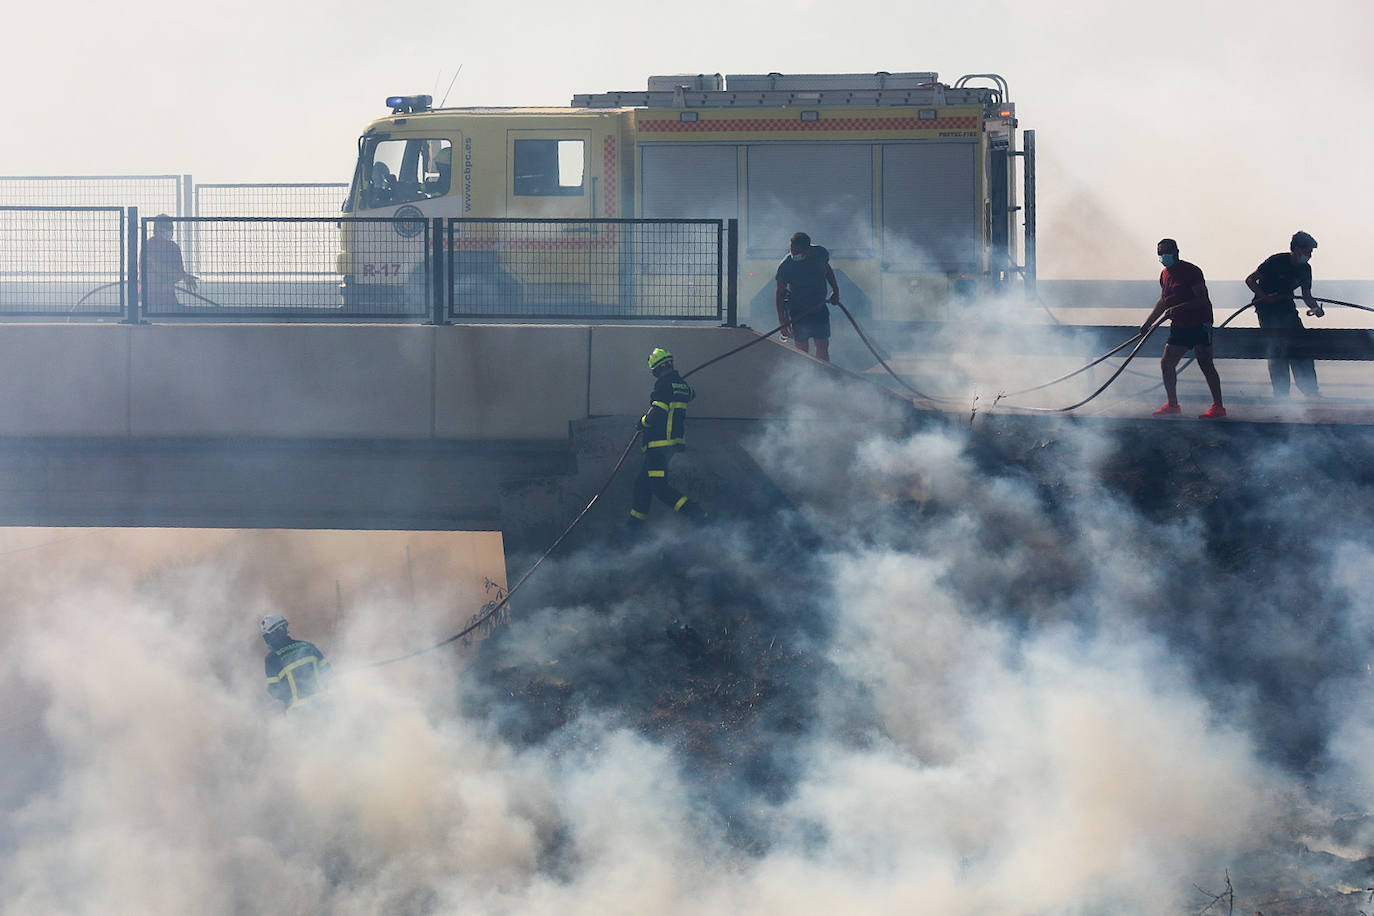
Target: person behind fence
(1183, 297)
(161, 267)
(297, 671)
(802, 279)
(664, 433)
(1273, 283)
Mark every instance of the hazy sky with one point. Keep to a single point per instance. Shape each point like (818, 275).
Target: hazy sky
(1226, 124)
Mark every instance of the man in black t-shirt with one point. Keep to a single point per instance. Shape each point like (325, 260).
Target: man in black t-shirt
(1273, 283)
(802, 280)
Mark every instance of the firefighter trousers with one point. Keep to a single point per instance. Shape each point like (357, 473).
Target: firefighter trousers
(653, 481)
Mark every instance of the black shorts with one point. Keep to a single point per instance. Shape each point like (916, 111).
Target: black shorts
(1199, 335)
(815, 325)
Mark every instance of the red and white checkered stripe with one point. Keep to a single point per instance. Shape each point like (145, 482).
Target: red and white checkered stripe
(779, 125)
(612, 202)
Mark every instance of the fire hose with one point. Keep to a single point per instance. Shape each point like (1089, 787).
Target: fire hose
(494, 608)
(94, 290)
(1250, 305)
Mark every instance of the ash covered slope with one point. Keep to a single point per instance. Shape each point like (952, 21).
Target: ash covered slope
(1142, 648)
(708, 638)
(1029, 667)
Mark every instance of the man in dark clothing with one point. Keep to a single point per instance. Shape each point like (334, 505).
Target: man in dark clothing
(296, 669)
(161, 268)
(802, 279)
(664, 432)
(1183, 297)
(1273, 283)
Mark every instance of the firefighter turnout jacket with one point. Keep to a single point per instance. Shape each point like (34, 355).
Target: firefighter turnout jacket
(665, 425)
(296, 673)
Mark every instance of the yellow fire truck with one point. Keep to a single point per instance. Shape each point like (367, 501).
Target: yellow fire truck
(909, 182)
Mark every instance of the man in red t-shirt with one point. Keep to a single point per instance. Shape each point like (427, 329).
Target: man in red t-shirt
(1183, 298)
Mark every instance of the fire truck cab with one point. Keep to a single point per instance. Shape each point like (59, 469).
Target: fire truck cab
(910, 183)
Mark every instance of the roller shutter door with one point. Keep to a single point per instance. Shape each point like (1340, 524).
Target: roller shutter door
(824, 190)
(689, 181)
(930, 207)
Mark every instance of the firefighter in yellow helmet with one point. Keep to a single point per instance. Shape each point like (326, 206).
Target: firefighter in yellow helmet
(664, 434)
(296, 670)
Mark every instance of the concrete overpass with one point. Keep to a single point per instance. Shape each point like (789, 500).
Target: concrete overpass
(464, 427)
(359, 426)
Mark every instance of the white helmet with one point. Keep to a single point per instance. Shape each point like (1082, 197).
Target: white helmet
(272, 622)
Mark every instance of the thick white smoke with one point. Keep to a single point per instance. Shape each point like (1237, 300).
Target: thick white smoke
(1009, 691)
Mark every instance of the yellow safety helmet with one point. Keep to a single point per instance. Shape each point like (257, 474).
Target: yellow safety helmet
(659, 357)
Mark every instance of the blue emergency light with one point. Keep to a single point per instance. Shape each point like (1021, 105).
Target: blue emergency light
(408, 104)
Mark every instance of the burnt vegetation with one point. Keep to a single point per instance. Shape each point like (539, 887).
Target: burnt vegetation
(713, 640)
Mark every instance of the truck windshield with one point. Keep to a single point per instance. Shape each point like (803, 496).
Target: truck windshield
(401, 171)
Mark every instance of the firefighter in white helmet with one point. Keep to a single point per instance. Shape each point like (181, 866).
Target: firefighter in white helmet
(297, 671)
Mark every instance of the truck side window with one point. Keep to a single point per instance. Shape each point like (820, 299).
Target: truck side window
(548, 168)
(406, 171)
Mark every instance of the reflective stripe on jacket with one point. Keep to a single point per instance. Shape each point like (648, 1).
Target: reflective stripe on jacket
(665, 425)
(296, 673)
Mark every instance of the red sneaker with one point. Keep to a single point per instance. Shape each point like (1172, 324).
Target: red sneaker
(1168, 410)
(1215, 412)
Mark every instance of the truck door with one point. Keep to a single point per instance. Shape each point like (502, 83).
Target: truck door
(560, 268)
(405, 180)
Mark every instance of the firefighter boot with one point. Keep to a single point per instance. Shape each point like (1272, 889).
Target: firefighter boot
(691, 509)
(630, 532)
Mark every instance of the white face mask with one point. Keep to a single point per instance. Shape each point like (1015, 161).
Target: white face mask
(799, 257)
(1168, 259)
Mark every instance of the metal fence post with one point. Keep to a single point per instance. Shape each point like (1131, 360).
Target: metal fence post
(732, 273)
(437, 288)
(1028, 174)
(190, 241)
(132, 313)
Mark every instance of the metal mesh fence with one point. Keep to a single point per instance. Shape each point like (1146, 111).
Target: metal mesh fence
(62, 261)
(71, 261)
(152, 194)
(282, 267)
(272, 200)
(588, 268)
(276, 199)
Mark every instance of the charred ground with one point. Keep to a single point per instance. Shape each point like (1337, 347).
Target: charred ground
(713, 640)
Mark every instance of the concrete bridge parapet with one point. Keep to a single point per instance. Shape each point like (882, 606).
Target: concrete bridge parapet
(353, 426)
(471, 383)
